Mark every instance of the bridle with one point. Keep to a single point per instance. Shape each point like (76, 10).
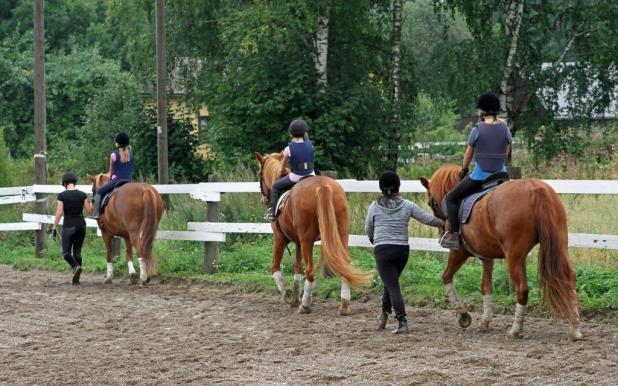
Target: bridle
(433, 204)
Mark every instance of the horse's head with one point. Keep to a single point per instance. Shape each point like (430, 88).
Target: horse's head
(441, 182)
(98, 180)
(270, 172)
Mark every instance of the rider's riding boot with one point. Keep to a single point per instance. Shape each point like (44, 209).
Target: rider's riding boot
(96, 208)
(269, 215)
(382, 319)
(450, 240)
(403, 325)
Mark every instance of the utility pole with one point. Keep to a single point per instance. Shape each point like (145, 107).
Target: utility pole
(161, 96)
(40, 145)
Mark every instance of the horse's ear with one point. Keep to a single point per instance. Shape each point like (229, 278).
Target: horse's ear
(91, 178)
(259, 157)
(424, 182)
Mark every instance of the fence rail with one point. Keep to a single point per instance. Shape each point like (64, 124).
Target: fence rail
(212, 232)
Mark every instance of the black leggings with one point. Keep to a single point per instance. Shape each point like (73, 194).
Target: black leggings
(73, 238)
(465, 188)
(275, 191)
(391, 260)
(107, 187)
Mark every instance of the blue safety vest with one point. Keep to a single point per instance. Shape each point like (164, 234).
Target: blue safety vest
(301, 158)
(123, 171)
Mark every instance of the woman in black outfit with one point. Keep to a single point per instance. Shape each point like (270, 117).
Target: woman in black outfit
(71, 204)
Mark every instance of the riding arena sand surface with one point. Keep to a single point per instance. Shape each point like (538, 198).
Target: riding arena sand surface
(181, 333)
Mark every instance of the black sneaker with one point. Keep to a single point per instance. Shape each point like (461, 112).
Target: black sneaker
(77, 271)
(402, 328)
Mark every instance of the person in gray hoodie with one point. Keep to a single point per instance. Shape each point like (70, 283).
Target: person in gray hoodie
(387, 229)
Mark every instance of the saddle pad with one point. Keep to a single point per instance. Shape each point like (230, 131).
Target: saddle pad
(281, 203)
(109, 195)
(465, 208)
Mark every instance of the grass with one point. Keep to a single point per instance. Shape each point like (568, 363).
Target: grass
(245, 259)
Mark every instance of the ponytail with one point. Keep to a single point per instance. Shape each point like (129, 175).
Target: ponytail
(125, 154)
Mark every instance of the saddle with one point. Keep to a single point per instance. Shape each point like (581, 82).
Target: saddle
(467, 204)
(284, 197)
(109, 195)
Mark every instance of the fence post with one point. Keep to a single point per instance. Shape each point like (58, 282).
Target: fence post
(211, 248)
(329, 173)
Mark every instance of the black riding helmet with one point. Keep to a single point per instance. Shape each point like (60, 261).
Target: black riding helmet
(122, 139)
(298, 128)
(489, 103)
(389, 182)
(68, 178)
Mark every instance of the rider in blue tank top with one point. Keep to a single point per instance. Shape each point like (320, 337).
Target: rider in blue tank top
(489, 144)
(121, 165)
(299, 156)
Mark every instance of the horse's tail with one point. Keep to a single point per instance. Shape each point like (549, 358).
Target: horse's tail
(333, 252)
(556, 276)
(148, 229)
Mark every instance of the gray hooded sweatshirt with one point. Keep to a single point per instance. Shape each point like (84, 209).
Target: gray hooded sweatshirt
(389, 225)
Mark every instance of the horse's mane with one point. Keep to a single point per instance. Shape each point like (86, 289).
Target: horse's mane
(271, 167)
(443, 180)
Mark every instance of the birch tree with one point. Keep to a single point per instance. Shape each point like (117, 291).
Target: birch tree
(394, 87)
(513, 19)
(320, 45)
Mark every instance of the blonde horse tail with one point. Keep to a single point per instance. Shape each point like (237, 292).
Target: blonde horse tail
(148, 229)
(556, 276)
(333, 252)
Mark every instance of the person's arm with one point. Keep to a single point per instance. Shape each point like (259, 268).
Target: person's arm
(88, 205)
(284, 164)
(369, 225)
(111, 163)
(59, 212)
(467, 158)
(425, 218)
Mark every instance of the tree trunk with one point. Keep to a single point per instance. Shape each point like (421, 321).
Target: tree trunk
(394, 88)
(513, 18)
(320, 55)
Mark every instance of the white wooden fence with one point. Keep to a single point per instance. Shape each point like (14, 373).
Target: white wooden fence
(214, 232)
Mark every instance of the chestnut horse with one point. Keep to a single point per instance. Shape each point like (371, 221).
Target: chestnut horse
(316, 208)
(507, 223)
(133, 213)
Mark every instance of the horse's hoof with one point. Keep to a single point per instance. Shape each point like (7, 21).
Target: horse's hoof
(576, 336)
(464, 319)
(108, 280)
(514, 334)
(143, 283)
(134, 278)
(484, 326)
(304, 310)
(344, 308)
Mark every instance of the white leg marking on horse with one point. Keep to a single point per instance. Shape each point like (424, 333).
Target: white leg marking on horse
(131, 267)
(143, 275)
(487, 311)
(297, 279)
(307, 293)
(279, 280)
(452, 296)
(518, 323)
(345, 289)
(110, 270)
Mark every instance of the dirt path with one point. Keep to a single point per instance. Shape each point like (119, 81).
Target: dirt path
(53, 333)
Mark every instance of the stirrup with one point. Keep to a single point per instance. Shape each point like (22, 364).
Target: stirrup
(445, 242)
(269, 215)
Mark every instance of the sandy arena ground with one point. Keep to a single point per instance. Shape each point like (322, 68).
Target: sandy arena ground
(55, 333)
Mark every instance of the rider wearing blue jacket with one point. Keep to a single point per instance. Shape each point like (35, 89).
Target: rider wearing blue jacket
(299, 156)
(489, 144)
(121, 165)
